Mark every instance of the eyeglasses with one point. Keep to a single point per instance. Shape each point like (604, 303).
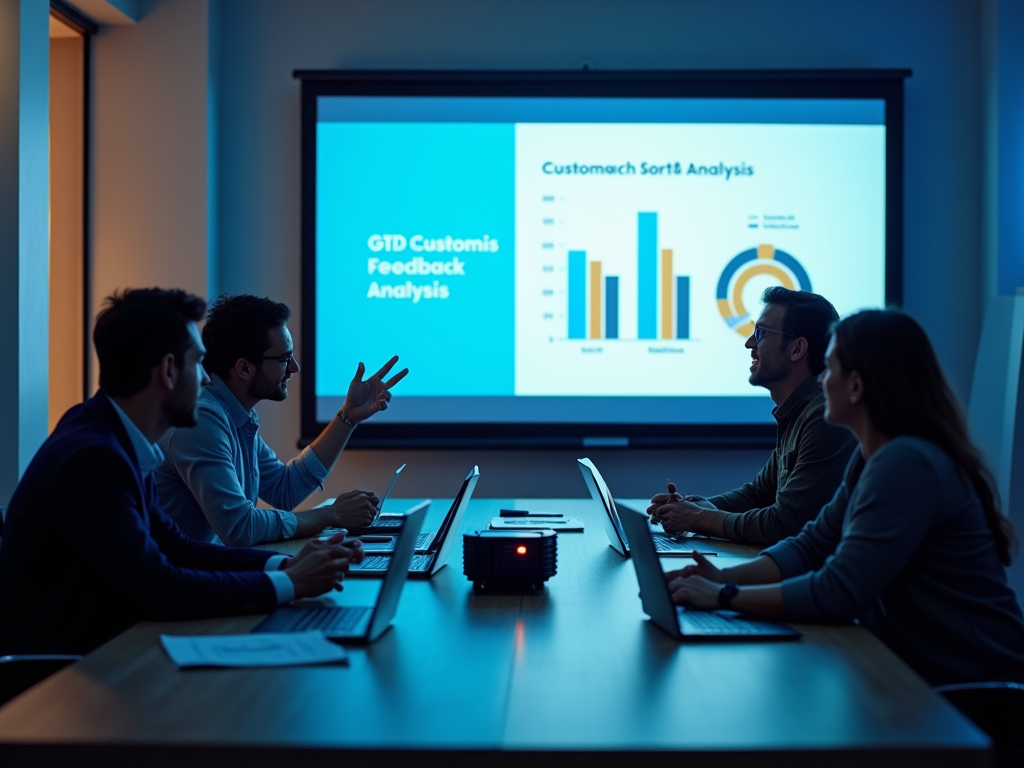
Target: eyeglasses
(285, 360)
(759, 333)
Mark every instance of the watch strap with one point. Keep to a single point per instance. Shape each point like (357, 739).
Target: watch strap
(726, 594)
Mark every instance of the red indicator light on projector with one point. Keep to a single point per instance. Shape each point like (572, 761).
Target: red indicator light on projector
(521, 550)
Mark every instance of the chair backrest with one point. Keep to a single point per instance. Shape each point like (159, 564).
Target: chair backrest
(996, 708)
(19, 673)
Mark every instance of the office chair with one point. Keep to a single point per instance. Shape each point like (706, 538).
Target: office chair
(996, 708)
(19, 673)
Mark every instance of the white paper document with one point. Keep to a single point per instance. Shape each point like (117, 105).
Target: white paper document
(563, 524)
(270, 649)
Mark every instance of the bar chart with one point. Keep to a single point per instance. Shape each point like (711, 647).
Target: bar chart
(663, 297)
(650, 284)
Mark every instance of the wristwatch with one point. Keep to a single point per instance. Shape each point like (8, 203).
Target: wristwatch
(726, 594)
(345, 419)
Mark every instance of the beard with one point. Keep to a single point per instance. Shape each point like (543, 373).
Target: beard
(262, 388)
(769, 370)
(182, 410)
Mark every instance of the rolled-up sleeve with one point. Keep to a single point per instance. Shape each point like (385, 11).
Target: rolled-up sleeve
(286, 485)
(203, 458)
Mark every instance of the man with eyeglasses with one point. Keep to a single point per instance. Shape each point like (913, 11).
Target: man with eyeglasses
(215, 472)
(787, 350)
(87, 550)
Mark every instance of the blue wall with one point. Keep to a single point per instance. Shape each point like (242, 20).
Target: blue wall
(262, 41)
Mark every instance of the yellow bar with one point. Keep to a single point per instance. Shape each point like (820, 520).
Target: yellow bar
(666, 293)
(595, 299)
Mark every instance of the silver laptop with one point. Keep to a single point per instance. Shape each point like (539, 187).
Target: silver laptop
(424, 566)
(356, 623)
(379, 535)
(675, 620)
(668, 545)
(382, 523)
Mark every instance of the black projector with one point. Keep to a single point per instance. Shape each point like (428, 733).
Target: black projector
(504, 561)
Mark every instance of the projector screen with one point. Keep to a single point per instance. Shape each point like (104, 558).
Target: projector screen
(578, 265)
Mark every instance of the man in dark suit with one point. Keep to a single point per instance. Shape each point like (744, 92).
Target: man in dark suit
(87, 551)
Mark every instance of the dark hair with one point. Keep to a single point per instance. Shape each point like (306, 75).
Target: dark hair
(906, 393)
(136, 328)
(239, 327)
(808, 315)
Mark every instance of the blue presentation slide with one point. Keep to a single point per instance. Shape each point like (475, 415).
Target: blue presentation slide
(583, 260)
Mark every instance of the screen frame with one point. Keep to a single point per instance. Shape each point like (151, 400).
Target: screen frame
(882, 84)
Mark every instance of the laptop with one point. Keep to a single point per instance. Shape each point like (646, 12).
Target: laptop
(668, 545)
(424, 566)
(675, 620)
(380, 535)
(382, 523)
(356, 623)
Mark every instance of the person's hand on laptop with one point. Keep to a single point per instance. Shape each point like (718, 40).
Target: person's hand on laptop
(696, 586)
(702, 567)
(366, 398)
(678, 517)
(354, 509)
(695, 592)
(321, 564)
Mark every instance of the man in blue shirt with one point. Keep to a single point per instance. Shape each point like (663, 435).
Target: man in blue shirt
(87, 551)
(215, 473)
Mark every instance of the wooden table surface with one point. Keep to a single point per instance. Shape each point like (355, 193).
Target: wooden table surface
(575, 672)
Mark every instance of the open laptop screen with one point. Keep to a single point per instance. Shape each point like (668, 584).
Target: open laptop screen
(603, 495)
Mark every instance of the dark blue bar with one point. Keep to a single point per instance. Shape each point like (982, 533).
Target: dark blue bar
(489, 109)
(611, 307)
(647, 273)
(682, 307)
(577, 294)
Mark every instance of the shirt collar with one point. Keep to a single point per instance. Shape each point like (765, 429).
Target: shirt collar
(238, 415)
(149, 454)
(801, 393)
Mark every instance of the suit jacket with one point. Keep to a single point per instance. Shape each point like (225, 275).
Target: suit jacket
(87, 552)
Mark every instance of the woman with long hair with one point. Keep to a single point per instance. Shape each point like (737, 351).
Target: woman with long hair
(913, 543)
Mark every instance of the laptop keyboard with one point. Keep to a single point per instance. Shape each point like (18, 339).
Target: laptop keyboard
(663, 544)
(707, 622)
(340, 620)
(380, 563)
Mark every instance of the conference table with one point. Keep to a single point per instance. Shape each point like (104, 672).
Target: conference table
(575, 673)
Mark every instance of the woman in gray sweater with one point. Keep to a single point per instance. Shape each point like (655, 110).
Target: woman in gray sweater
(913, 543)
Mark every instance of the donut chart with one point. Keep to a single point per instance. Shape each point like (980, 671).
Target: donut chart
(764, 260)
